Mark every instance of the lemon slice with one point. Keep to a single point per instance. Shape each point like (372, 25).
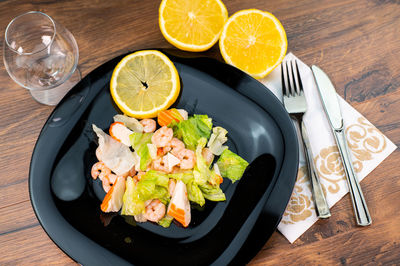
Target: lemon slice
(253, 41)
(144, 83)
(193, 25)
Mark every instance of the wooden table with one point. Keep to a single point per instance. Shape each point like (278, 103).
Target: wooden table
(356, 41)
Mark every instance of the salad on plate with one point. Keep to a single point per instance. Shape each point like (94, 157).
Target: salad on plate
(155, 171)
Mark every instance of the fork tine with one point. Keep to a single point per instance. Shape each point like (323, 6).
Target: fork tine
(289, 83)
(284, 88)
(295, 88)
(300, 83)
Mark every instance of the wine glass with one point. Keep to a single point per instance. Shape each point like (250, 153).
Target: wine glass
(41, 56)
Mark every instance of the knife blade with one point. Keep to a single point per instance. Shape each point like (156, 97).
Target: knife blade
(332, 109)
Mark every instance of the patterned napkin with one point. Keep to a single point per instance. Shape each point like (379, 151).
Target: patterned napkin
(369, 147)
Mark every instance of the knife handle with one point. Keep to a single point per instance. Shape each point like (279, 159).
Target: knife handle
(318, 194)
(360, 206)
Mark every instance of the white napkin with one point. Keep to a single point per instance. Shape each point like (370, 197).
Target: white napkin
(369, 147)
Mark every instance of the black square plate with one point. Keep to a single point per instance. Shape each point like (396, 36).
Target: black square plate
(66, 200)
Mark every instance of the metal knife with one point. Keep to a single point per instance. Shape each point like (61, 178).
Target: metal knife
(331, 106)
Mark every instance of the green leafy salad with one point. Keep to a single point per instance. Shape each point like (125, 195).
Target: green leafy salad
(154, 171)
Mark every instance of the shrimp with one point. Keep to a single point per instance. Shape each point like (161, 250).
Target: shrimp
(161, 164)
(171, 186)
(149, 125)
(108, 181)
(176, 146)
(162, 136)
(207, 155)
(100, 170)
(188, 159)
(155, 210)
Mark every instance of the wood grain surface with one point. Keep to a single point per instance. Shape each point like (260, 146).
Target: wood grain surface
(356, 41)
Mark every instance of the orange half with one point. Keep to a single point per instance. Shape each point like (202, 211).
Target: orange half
(253, 41)
(193, 25)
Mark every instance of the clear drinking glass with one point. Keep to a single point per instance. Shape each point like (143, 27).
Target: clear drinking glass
(41, 56)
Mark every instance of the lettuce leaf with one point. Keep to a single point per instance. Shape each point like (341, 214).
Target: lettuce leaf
(192, 129)
(203, 176)
(205, 119)
(139, 143)
(218, 137)
(213, 193)
(201, 164)
(194, 193)
(199, 179)
(132, 204)
(153, 185)
(231, 165)
(166, 221)
(185, 177)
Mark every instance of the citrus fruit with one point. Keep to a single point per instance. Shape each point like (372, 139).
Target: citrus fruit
(193, 25)
(253, 41)
(145, 83)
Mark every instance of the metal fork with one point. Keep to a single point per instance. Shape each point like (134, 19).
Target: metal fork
(296, 105)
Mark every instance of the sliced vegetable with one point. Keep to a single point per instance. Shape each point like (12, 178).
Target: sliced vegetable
(112, 202)
(217, 139)
(205, 119)
(133, 205)
(165, 117)
(213, 193)
(231, 165)
(194, 193)
(191, 130)
(139, 142)
(137, 160)
(199, 179)
(207, 180)
(185, 177)
(179, 207)
(120, 132)
(201, 165)
(130, 122)
(159, 178)
(115, 155)
(153, 185)
(166, 221)
(152, 150)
